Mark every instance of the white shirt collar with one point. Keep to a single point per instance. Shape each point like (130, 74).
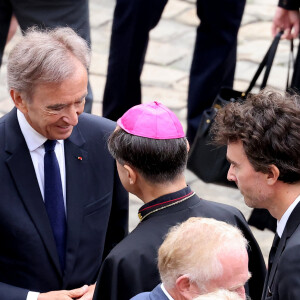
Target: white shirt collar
(33, 139)
(282, 222)
(166, 292)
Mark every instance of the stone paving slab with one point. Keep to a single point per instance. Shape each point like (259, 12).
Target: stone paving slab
(187, 40)
(167, 30)
(161, 76)
(164, 54)
(181, 85)
(255, 31)
(175, 8)
(99, 63)
(261, 11)
(175, 100)
(100, 16)
(183, 64)
(189, 17)
(101, 38)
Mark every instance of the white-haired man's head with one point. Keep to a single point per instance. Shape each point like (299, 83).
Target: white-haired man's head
(202, 255)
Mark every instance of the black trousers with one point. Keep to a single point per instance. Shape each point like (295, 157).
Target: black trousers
(213, 61)
(47, 14)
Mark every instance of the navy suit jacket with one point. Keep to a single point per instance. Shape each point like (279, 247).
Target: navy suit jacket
(156, 294)
(96, 203)
(283, 279)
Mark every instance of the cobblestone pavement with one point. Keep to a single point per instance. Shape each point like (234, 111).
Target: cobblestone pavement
(165, 75)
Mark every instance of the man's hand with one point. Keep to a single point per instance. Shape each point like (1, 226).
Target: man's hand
(89, 294)
(288, 21)
(65, 294)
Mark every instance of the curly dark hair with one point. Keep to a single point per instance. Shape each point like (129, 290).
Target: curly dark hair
(159, 161)
(268, 124)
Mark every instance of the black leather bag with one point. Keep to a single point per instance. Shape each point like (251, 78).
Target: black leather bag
(206, 160)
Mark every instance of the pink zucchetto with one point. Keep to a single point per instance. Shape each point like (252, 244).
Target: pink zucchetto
(152, 120)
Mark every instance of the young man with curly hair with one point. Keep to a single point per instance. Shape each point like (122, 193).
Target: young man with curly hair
(263, 147)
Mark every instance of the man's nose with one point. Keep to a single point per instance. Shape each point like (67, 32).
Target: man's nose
(230, 174)
(71, 117)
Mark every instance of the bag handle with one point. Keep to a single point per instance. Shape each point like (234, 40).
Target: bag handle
(267, 61)
(291, 60)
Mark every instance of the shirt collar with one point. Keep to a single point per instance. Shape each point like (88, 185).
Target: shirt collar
(33, 139)
(166, 292)
(282, 222)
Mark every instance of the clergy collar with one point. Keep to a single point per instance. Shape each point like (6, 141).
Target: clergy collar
(164, 202)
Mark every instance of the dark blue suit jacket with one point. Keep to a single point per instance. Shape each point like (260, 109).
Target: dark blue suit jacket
(283, 279)
(97, 211)
(156, 294)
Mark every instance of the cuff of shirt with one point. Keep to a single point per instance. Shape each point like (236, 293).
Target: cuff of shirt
(32, 295)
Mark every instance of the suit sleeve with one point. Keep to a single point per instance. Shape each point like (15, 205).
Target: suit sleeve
(257, 266)
(118, 220)
(289, 4)
(10, 292)
(288, 271)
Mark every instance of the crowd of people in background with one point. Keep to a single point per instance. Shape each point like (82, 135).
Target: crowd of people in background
(66, 173)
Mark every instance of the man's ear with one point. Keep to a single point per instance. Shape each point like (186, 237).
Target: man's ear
(19, 101)
(188, 146)
(131, 174)
(272, 175)
(186, 288)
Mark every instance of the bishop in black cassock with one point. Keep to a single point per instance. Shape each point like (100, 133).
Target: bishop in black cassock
(151, 152)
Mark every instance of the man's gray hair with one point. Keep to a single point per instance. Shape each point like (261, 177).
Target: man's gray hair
(45, 56)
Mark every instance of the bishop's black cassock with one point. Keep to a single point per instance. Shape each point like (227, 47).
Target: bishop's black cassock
(131, 267)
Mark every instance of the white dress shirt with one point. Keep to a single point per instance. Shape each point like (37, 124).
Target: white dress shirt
(282, 222)
(35, 143)
(166, 292)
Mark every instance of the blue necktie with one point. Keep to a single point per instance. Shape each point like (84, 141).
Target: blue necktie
(54, 200)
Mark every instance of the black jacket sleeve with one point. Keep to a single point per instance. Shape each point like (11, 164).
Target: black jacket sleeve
(289, 4)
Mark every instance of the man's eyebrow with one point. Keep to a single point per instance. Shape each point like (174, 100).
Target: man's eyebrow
(82, 97)
(62, 105)
(229, 160)
(56, 106)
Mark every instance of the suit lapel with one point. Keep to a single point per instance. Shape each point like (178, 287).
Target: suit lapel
(76, 160)
(290, 228)
(20, 165)
(273, 270)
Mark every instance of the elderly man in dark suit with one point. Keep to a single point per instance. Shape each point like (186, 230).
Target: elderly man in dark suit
(47, 14)
(263, 148)
(62, 205)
